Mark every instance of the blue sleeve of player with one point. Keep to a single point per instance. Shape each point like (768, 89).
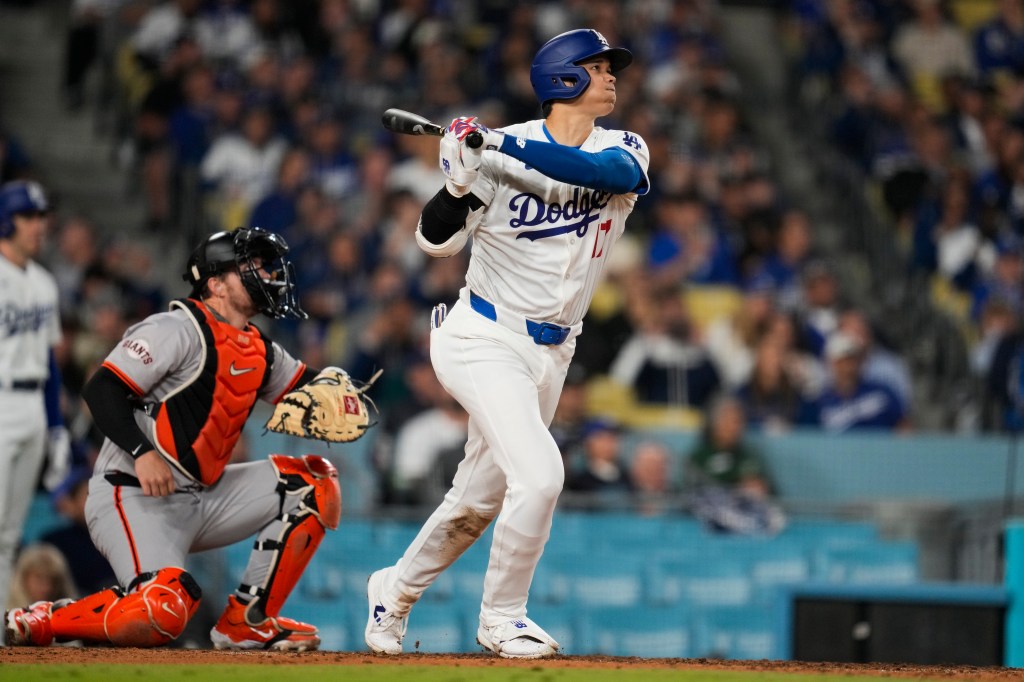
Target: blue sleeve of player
(609, 170)
(51, 392)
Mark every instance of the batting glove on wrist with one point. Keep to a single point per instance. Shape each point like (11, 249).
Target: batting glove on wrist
(458, 176)
(58, 457)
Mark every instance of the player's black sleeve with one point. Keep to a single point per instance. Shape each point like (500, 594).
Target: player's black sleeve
(113, 405)
(444, 215)
(307, 376)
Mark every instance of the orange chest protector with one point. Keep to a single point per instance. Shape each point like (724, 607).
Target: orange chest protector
(200, 422)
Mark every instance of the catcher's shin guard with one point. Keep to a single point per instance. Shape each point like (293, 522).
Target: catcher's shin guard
(315, 481)
(154, 610)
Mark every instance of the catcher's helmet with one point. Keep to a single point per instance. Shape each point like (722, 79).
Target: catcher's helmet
(555, 72)
(20, 196)
(274, 295)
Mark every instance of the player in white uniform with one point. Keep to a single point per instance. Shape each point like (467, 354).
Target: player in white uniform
(544, 205)
(172, 399)
(29, 395)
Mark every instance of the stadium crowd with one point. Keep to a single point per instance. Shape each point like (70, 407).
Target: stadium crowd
(266, 112)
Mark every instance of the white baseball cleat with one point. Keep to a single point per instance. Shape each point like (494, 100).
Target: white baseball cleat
(517, 638)
(384, 629)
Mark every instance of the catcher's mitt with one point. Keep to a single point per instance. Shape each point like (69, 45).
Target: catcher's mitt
(331, 408)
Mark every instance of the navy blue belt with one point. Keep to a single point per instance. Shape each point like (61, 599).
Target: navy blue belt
(543, 333)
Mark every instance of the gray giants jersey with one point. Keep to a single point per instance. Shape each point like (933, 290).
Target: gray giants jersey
(163, 353)
(540, 245)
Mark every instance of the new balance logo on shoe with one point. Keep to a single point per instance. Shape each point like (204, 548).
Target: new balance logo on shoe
(519, 624)
(377, 611)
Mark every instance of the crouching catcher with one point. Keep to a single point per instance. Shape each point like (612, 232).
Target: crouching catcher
(172, 399)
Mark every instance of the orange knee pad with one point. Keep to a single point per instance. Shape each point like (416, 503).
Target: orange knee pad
(154, 610)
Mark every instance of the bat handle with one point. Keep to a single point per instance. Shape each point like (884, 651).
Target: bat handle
(474, 140)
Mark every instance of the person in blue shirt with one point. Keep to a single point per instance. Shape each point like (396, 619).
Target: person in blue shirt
(852, 402)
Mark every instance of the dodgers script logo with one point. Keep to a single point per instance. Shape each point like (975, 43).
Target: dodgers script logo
(17, 320)
(583, 208)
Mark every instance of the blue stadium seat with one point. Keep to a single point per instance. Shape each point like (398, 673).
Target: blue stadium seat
(645, 632)
(736, 633)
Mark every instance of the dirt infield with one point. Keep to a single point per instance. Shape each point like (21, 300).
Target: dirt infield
(101, 655)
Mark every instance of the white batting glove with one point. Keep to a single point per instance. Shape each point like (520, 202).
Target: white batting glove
(459, 177)
(58, 457)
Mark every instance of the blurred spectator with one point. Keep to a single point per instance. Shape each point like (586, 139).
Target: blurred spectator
(77, 249)
(570, 418)
(1004, 281)
(602, 474)
(929, 47)
(819, 306)
(731, 340)
(428, 449)
(881, 365)
(241, 168)
(41, 573)
(851, 401)
(999, 42)
(793, 250)
(226, 33)
(772, 396)
(89, 569)
(661, 361)
(651, 478)
(687, 247)
(727, 479)
(277, 211)
(996, 322)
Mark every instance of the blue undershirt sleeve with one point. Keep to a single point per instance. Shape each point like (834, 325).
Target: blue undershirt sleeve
(609, 170)
(51, 394)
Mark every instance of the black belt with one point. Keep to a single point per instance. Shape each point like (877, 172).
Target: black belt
(25, 385)
(121, 478)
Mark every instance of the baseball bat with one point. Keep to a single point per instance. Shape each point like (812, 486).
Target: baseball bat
(408, 123)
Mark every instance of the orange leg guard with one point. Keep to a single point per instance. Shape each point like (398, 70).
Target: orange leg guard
(154, 610)
(315, 480)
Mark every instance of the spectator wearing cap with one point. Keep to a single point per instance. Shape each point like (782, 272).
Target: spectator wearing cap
(819, 305)
(89, 569)
(852, 401)
(602, 470)
(1004, 281)
(881, 365)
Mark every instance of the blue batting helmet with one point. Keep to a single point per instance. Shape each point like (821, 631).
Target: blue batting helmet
(555, 72)
(20, 196)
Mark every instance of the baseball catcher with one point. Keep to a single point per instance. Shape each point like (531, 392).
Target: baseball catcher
(172, 399)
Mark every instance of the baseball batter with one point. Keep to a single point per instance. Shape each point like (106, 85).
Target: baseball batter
(172, 399)
(544, 205)
(29, 382)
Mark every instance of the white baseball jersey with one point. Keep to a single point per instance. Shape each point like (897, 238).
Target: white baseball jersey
(540, 245)
(29, 321)
(29, 327)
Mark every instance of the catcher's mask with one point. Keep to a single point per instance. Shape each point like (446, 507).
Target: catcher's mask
(249, 250)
